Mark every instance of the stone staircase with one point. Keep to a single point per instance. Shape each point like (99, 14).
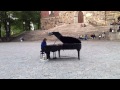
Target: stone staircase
(73, 30)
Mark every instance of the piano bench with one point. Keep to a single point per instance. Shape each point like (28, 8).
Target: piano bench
(41, 54)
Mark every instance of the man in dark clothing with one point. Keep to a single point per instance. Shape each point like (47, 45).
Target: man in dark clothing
(43, 45)
(110, 30)
(93, 36)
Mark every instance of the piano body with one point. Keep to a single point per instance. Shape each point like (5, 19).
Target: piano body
(68, 43)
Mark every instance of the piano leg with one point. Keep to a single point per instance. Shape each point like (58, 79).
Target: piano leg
(78, 54)
(59, 53)
(54, 55)
(48, 55)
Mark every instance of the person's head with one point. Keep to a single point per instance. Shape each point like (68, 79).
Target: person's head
(44, 39)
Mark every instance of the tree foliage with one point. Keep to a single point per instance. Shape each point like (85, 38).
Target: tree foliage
(27, 17)
(16, 19)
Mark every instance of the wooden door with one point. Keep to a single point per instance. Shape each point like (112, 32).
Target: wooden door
(80, 17)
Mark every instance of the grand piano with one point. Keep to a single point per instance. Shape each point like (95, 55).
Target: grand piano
(68, 43)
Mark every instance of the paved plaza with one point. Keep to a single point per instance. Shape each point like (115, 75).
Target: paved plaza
(98, 60)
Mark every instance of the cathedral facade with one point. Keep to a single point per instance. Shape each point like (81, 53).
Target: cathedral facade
(50, 19)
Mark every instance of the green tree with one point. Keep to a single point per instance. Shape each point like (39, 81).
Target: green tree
(16, 19)
(5, 21)
(27, 17)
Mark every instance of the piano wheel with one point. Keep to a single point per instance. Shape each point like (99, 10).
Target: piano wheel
(54, 58)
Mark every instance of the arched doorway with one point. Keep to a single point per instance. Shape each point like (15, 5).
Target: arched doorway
(80, 17)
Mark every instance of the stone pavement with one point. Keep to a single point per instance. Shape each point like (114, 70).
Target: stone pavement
(99, 60)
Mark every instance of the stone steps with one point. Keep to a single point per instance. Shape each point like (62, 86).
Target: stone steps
(73, 30)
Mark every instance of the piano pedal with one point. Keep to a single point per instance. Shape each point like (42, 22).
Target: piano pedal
(54, 57)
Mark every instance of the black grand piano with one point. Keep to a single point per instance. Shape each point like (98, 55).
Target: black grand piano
(68, 43)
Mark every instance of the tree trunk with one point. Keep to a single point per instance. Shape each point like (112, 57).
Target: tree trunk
(29, 25)
(5, 26)
(38, 25)
(7, 29)
(0, 30)
(8, 26)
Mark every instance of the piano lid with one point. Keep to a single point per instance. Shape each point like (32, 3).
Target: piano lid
(65, 39)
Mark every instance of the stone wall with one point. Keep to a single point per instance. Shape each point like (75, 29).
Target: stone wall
(102, 17)
(114, 36)
(93, 17)
(96, 17)
(112, 15)
(44, 14)
(50, 22)
(67, 16)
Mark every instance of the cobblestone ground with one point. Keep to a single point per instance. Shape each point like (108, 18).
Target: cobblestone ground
(99, 60)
